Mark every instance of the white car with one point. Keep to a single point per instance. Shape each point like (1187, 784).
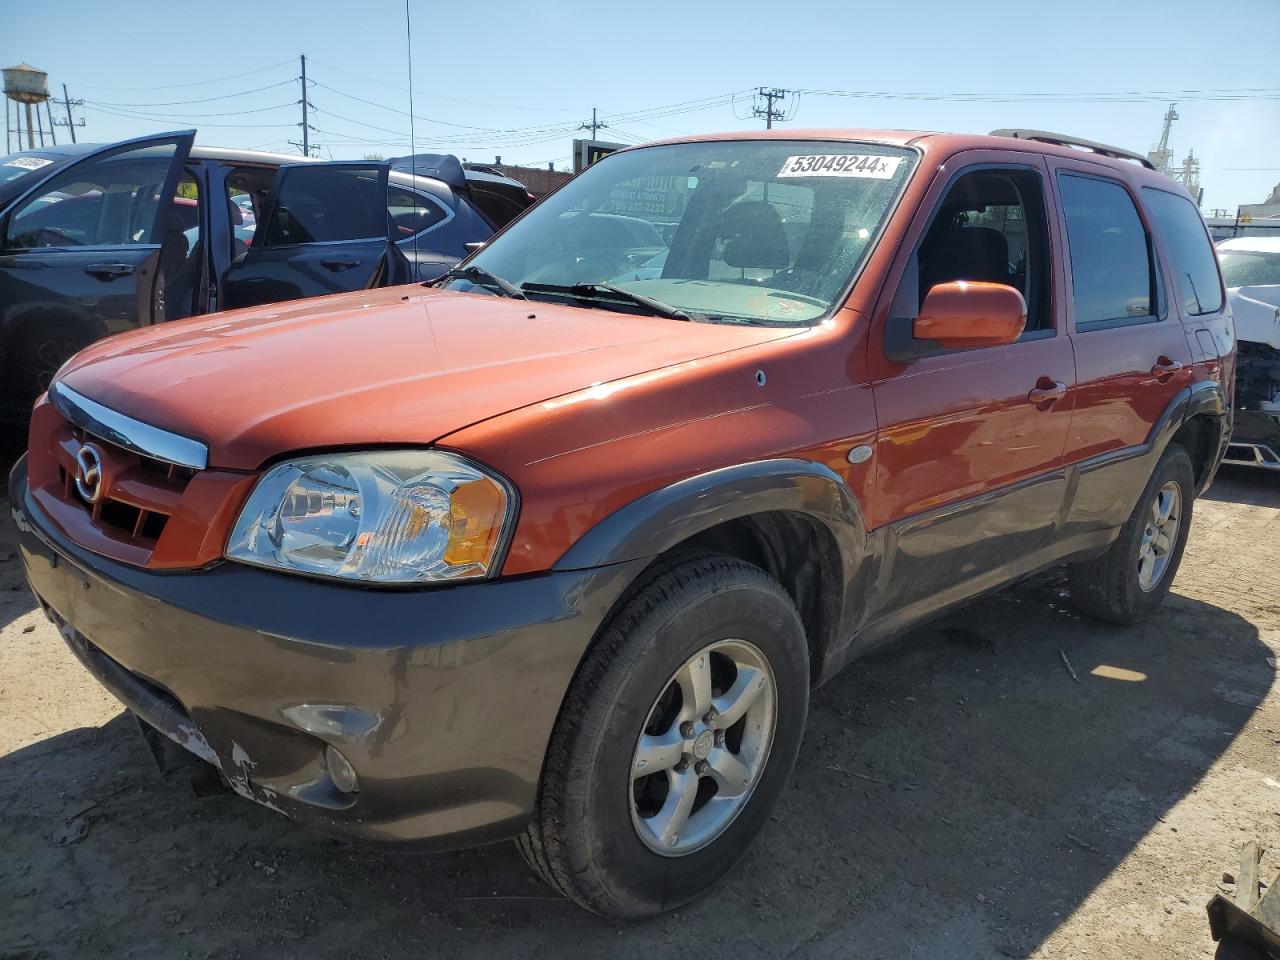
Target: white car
(1251, 272)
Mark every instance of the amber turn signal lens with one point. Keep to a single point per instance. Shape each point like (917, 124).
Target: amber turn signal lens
(477, 510)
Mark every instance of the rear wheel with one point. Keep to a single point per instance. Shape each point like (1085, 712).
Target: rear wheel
(674, 741)
(1130, 580)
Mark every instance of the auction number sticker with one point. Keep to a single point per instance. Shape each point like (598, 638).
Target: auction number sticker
(867, 166)
(28, 163)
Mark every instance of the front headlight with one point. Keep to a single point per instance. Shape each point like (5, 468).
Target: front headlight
(394, 516)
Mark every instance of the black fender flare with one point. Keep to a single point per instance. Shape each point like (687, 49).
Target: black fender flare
(655, 523)
(1204, 398)
(660, 520)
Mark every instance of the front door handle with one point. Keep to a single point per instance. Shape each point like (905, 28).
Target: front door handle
(1165, 368)
(341, 263)
(109, 271)
(1047, 391)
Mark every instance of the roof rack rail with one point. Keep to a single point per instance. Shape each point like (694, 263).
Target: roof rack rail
(1062, 140)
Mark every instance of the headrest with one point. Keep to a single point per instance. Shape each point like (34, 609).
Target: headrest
(754, 237)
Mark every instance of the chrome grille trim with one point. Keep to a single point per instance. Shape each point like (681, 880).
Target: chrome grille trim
(126, 432)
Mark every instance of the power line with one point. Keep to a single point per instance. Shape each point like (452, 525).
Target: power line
(193, 83)
(181, 103)
(186, 116)
(444, 123)
(1132, 96)
(438, 96)
(129, 115)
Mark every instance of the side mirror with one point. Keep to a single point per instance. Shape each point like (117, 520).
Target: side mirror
(966, 313)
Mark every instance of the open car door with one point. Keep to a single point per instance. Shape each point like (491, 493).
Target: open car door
(82, 255)
(327, 230)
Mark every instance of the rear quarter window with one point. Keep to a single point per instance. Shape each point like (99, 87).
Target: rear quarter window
(1195, 268)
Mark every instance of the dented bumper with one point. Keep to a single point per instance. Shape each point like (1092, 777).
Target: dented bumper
(442, 700)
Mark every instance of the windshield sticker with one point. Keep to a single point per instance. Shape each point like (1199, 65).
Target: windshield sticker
(28, 163)
(867, 166)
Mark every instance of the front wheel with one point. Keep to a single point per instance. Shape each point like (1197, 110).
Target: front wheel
(1130, 580)
(674, 741)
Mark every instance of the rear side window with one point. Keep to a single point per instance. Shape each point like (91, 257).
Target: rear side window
(1112, 279)
(324, 205)
(1188, 244)
(412, 213)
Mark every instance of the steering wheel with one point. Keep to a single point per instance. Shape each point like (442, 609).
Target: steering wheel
(49, 237)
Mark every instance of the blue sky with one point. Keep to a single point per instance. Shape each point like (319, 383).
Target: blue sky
(498, 77)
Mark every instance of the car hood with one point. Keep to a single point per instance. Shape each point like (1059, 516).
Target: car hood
(1257, 313)
(399, 365)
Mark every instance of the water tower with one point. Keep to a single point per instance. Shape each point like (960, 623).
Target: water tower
(25, 85)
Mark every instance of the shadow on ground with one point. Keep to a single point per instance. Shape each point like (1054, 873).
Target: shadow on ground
(958, 795)
(1258, 488)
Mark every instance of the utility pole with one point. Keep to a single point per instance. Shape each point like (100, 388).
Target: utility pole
(306, 142)
(66, 99)
(593, 124)
(768, 113)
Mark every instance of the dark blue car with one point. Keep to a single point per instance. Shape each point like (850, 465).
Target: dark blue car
(97, 239)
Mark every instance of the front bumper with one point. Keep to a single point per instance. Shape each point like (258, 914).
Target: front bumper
(442, 699)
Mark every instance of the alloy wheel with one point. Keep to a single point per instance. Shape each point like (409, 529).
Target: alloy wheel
(703, 748)
(1159, 536)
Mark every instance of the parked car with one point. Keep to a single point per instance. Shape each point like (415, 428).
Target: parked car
(1251, 269)
(550, 552)
(88, 249)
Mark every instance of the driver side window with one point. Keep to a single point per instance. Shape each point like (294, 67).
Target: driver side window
(990, 227)
(107, 202)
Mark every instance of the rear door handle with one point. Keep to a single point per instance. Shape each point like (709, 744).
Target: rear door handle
(341, 263)
(1047, 391)
(1165, 368)
(109, 271)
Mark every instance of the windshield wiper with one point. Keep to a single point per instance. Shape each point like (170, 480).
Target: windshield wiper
(595, 291)
(479, 275)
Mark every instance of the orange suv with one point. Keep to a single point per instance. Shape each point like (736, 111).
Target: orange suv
(556, 548)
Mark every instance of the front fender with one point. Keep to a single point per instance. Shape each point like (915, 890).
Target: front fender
(661, 520)
(665, 518)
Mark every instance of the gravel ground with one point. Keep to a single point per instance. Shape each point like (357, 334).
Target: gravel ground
(958, 795)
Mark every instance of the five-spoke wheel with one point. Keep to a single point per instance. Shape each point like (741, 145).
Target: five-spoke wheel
(674, 742)
(705, 741)
(1159, 536)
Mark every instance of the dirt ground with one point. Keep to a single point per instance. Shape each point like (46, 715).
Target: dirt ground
(959, 795)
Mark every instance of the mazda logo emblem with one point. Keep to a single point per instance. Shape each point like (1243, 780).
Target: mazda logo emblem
(89, 473)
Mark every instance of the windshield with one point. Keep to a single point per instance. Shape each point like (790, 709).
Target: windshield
(1249, 268)
(17, 165)
(746, 230)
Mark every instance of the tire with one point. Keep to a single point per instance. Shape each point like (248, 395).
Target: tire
(592, 836)
(1111, 587)
(1232, 949)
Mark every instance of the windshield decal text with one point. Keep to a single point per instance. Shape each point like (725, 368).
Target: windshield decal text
(868, 166)
(28, 163)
